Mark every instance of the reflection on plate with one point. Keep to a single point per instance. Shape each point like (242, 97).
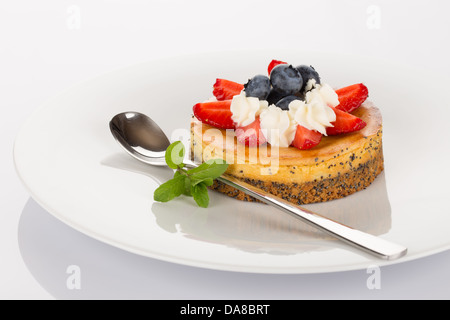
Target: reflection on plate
(73, 168)
(258, 228)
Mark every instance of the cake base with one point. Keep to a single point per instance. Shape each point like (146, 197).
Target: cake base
(321, 190)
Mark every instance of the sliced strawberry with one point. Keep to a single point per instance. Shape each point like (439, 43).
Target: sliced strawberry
(305, 138)
(345, 123)
(352, 97)
(251, 135)
(226, 89)
(273, 64)
(215, 113)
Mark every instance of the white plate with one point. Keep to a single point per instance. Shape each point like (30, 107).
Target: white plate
(73, 167)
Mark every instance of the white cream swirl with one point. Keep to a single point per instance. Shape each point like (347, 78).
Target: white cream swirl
(324, 92)
(245, 109)
(277, 126)
(310, 84)
(315, 113)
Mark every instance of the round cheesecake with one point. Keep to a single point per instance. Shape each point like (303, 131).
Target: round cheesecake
(338, 166)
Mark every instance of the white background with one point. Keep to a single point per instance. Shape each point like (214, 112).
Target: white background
(49, 45)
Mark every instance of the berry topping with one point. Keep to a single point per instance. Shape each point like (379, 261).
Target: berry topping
(284, 102)
(215, 113)
(273, 64)
(226, 89)
(345, 123)
(308, 73)
(251, 135)
(352, 97)
(276, 92)
(305, 138)
(286, 79)
(274, 96)
(258, 87)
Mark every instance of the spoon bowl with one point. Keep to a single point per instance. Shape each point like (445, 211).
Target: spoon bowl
(140, 136)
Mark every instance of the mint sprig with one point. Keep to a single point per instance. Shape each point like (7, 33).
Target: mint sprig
(190, 182)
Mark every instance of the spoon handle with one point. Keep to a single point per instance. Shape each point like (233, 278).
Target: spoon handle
(369, 243)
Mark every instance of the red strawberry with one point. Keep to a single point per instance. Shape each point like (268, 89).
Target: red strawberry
(305, 138)
(345, 123)
(352, 97)
(273, 64)
(226, 89)
(215, 113)
(251, 135)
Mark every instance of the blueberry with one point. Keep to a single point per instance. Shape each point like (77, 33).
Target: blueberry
(301, 95)
(286, 79)
(274, 96)
(258, 87)
(284, 103)
(307, 73)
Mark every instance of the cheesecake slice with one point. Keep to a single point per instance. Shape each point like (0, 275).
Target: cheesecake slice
(339, 166)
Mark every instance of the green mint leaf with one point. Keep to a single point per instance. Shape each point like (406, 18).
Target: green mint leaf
(187, 182)
(175, 155)
(200, 194)
(170, 189)
(193, 182)
(208, 170)
(207, 181)
(187, 187)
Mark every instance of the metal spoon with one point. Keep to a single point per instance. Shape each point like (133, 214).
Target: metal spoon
(143, 139)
